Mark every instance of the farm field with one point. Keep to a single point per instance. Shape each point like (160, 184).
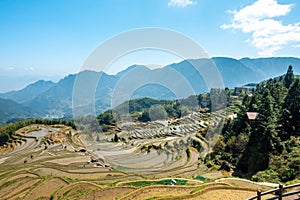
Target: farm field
(153, 161)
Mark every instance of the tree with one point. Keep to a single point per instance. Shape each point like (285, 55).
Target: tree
(291, 112)
(116, 138)
(267, 121)
(272, 142)
(204, 99)
(157, 112)
(289, 77)
(106, 118)
(144, 117)
(263, 139)
(218, 99)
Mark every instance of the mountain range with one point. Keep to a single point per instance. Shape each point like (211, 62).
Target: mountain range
(94, 92)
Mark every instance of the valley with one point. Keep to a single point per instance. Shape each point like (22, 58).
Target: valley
(190, 148)
(58, 162)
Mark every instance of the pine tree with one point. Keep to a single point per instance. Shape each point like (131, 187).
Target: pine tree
(291, 112)
(289, 77)
(263, 139)
(267, 123)
(116, 138)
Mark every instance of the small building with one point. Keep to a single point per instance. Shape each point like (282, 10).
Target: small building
(246, 88)
(238, 90)
(251, 117)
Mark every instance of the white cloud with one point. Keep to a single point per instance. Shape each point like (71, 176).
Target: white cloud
(296, 46)
(10, 68)
(181, 3)
(29, 68)
(268, 35)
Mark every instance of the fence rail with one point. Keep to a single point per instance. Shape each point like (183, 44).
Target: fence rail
(279, 190)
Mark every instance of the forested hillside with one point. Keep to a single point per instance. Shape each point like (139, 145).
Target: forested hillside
(266, 147)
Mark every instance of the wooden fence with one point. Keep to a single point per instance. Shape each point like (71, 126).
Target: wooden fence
(280, 192)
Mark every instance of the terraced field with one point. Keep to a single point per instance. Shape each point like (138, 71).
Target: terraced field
(160, 146)
(150, 160)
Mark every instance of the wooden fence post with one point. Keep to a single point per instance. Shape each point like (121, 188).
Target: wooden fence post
(280, 192)
(258, 195)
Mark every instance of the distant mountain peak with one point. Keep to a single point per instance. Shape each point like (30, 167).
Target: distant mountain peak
(29, 92)
(56, 99)
(132, 67)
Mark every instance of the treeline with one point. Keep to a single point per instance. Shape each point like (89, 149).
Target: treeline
(172, 108)
(147, 109)
(8, 130)
(267, 148)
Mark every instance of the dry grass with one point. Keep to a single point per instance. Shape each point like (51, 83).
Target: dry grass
(78, 175)
(76, 190)
(243, 183)
(108, 194)
(16, 186)
(67, 161)
(57, 137)
(46, 188)
(227, 194)
(159, 191)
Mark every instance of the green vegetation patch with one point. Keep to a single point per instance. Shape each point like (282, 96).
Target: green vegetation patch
(201, 178)
(6, 184)
(263, 141)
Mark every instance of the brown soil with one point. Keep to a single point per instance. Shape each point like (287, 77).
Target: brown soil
(76, 190)
(213, 175)
(81, 176)
(17, 176)
(226, 194)
(46, 188)
(57, 137)
(243, 183)
(17, 187)
(158, 191)
(108, 194)
(67, 161)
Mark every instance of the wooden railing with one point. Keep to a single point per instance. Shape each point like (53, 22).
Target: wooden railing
(279, 190)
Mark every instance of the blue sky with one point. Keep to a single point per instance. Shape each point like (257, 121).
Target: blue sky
(52, 38)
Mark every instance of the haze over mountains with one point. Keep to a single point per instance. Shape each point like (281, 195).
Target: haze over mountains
(48, 99)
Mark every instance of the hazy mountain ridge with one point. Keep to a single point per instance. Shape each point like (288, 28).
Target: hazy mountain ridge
(29, 92)
(55, 99)
(10, 109)
(271, 67)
